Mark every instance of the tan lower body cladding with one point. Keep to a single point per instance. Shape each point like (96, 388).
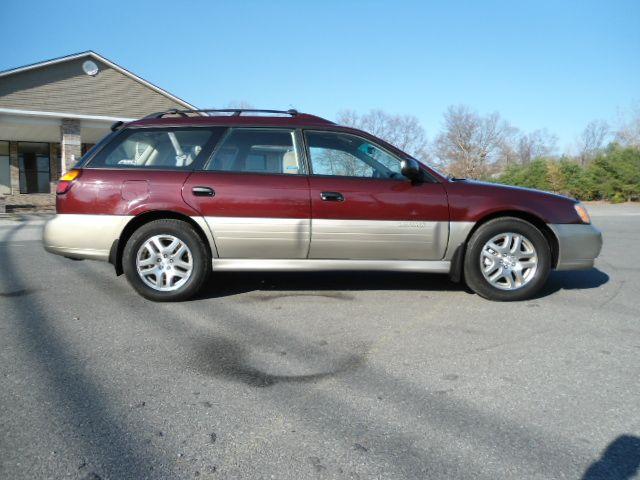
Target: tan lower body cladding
(312, 244)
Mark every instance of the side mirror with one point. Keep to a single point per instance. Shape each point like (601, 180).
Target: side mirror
(411, 169)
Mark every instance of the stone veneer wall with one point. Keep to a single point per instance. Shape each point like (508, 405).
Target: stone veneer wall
(71, 145)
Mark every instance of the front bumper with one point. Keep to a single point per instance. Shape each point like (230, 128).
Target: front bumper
(83, 236)
(579, 245)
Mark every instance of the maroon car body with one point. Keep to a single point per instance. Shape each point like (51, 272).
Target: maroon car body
(309, 220)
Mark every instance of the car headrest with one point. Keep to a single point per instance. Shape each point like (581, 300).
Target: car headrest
(290, 163)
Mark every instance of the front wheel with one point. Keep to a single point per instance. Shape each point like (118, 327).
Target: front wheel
(166, 260)
(507, 259)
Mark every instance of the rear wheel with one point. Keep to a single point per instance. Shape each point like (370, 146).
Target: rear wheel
(166, 260)
(507, 259)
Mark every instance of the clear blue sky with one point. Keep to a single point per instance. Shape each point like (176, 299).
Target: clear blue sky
(552, 64)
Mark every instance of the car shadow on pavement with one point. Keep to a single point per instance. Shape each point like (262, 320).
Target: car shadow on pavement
(229, 359)
(573, 280)
(620, 460)
(223, 284)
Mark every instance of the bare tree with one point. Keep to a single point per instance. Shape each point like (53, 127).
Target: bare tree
(592, 140)
(508, 153)
(508, 149)
(628, 133)
(539, 143)
(240, 104)
(402, 131)
(470, 144)
(232, 105)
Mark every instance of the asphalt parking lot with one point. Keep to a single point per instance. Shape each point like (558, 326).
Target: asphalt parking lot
(318, 375)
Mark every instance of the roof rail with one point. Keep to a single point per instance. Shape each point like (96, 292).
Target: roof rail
(235, 112)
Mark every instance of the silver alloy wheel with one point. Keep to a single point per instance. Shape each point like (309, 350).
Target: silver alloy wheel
(164, 263)
(508, 261)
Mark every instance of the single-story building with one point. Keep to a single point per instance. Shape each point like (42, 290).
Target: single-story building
(51, 112)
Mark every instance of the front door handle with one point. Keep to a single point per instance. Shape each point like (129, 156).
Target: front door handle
(332, 196)
(203, 192)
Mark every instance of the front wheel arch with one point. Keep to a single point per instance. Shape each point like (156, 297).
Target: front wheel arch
(540, 248)
(537, 222)
(117, 248)
(457, 275)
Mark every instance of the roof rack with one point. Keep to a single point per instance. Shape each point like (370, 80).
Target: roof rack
(116, 125)
(235, 112)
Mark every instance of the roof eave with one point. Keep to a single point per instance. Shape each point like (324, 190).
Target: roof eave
(100, 58)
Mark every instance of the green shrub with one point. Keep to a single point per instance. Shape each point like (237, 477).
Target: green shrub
(614, 175)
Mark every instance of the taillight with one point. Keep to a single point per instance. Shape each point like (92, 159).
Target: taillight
(65, 182)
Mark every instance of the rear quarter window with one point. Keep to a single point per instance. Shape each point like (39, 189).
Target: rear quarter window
(164, 149)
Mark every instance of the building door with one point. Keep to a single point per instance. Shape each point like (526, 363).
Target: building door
(33, 161)
(363, 208)
(254, 195)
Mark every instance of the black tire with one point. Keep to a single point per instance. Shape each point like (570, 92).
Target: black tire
(472, 269)
(184, 232)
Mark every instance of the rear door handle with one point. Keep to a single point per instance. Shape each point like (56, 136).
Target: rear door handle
(332, 196)
(203, 192)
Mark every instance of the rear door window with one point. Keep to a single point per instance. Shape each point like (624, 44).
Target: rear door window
(173, 149)
(257, 150)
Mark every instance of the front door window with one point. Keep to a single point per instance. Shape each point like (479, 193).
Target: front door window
(344, 155)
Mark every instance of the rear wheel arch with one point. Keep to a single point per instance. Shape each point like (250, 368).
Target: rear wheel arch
(117, 249)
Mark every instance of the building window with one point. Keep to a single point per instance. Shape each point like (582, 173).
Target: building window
(33, 160)
(86, 147)
(5, 169)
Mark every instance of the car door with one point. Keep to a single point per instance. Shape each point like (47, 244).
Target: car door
(363, 208)
(254, 194)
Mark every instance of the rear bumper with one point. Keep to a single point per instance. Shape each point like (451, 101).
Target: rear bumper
(83, 236)
(579, 245)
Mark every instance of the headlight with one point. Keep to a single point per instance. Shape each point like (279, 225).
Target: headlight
(582, 213)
